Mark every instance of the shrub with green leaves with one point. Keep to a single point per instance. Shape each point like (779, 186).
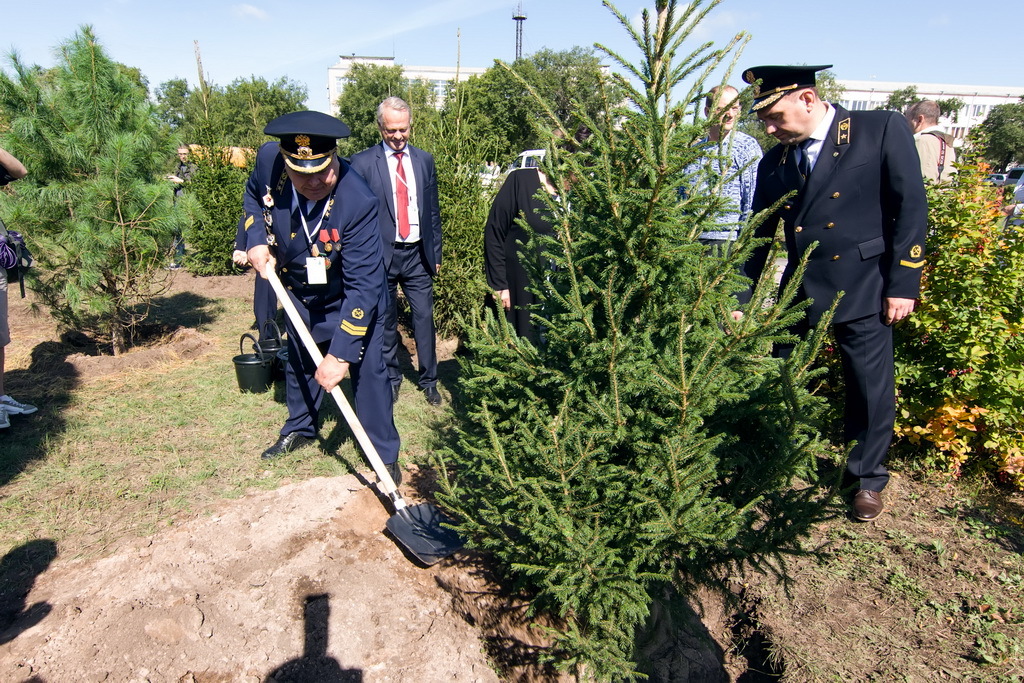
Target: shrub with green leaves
(460, 288)
(960, 357)
(216, 186)
(648, 437)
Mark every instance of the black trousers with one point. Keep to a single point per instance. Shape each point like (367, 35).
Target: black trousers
(409, 270)
(869, 412)
(866, 349)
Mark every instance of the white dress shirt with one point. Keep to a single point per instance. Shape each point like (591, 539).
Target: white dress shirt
(410, 178)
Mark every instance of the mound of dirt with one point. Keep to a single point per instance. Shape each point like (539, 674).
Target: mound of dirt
(293, 584)
(183, 344)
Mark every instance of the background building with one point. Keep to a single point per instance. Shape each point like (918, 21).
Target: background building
(978, 100)
(438, 76)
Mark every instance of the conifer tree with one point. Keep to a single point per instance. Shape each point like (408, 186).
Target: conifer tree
(94, 208)
(648, 437)
(464, 200)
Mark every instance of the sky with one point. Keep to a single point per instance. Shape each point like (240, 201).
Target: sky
(945, 41)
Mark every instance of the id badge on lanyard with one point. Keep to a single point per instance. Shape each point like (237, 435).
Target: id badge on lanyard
(316, 265)
(316, 270)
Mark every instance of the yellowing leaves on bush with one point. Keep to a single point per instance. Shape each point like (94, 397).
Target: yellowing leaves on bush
(960, 358)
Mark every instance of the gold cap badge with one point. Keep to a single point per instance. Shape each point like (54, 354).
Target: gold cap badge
(303, 151)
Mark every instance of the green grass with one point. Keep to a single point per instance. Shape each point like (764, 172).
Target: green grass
(126, 454)
(936, 586)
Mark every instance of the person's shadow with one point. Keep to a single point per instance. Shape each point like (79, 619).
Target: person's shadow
(18, 571)
(314, 666)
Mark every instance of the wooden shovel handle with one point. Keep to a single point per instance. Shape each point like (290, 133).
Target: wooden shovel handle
(346, 409)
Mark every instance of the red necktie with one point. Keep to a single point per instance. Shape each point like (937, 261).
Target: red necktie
(402, 198)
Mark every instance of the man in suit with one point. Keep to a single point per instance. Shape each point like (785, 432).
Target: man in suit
(315, 220)
(859, 194)
(404, 179)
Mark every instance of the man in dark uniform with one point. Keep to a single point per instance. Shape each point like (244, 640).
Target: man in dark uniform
(315, 220)
(859, 194)
(405, 181)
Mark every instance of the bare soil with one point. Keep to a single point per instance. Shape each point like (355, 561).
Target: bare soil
(301, 584)
(296, 584)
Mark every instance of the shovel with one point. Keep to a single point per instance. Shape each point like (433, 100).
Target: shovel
(418, 527)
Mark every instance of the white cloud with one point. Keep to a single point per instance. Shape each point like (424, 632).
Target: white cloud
(249, 12)
(719, 24)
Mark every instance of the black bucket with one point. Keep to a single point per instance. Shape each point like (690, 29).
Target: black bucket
(271, 345)
(253, 369)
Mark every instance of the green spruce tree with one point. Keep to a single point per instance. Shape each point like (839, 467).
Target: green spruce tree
(648, 437)
(465, 200)
(94, 208)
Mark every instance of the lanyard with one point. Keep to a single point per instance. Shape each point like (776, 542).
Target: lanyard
(302, 215)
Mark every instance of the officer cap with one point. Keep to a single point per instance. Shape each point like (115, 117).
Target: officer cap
(777, 81)
(308, 139)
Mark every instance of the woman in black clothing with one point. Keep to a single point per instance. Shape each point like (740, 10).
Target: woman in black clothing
(506, 276)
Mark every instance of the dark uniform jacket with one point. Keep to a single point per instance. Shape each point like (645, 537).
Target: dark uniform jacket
(372, 164)
(356, 290)
(864, 203)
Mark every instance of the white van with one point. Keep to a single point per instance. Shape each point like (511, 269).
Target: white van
(1014, 176)
(531, 158)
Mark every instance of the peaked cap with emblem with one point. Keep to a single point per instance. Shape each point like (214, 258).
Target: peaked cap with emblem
(777, 81)
(309, 139)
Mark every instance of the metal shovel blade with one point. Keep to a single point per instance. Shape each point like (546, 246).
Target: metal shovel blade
(418, 528)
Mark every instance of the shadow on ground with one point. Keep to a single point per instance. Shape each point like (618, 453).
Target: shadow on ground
(18, 571)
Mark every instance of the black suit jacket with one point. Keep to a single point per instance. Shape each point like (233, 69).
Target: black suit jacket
(864, 203)
(372, 164)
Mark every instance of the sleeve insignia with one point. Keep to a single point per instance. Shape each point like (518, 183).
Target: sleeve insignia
(249, 221)
(353, 330)
(915, 251)
(912, 264)
(357, 313)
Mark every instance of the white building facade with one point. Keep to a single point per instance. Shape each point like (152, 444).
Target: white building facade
(437, 76)
(978, 100)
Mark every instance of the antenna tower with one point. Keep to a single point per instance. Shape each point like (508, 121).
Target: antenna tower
(519, 16)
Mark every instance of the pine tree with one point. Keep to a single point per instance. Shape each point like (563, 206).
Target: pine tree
(647, 437)
(97, 215)
(216, 187)
(460, 157)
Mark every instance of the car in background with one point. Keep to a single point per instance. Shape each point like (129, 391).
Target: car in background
(531, 158)
(996, 179)
(1014, 176)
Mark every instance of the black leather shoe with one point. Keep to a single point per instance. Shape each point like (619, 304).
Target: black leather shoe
(288, 442)
(394, 393)
(867, 505)
(433, 397)
(395, 471)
